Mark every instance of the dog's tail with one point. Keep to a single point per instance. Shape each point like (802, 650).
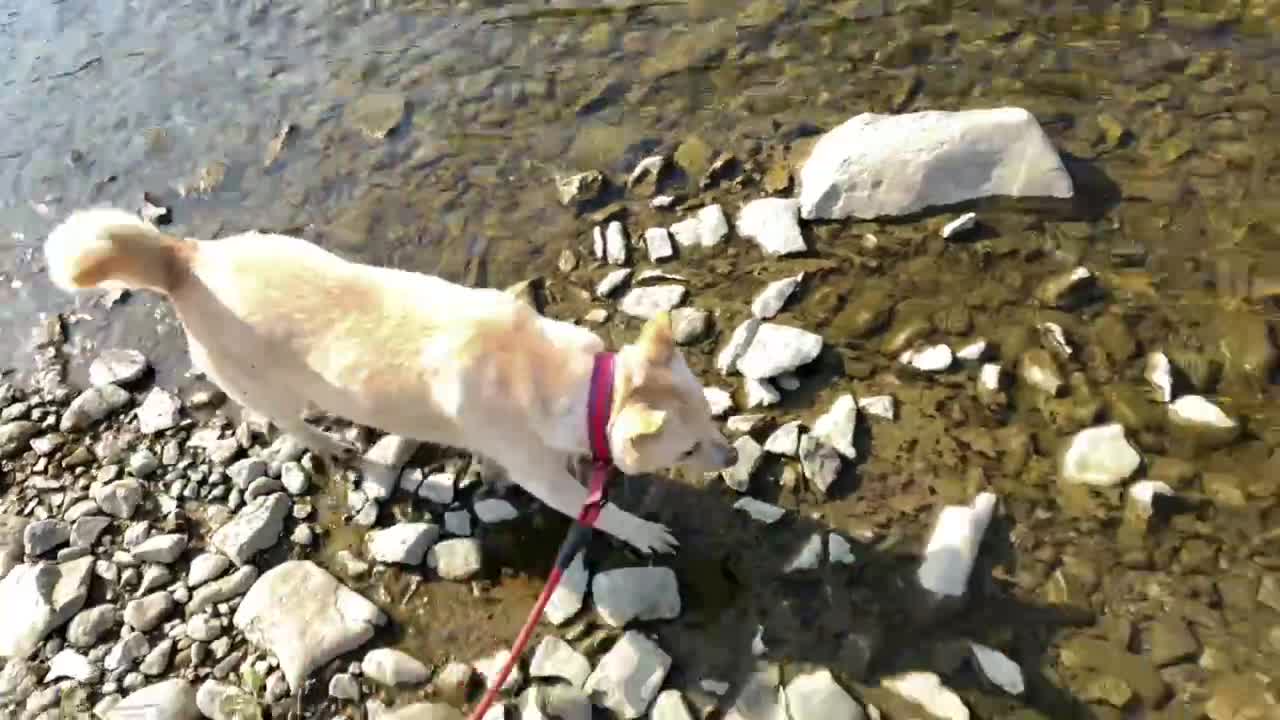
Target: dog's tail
(107, 248)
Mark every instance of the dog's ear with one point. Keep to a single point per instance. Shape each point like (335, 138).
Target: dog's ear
(656, 340)
(635, 422)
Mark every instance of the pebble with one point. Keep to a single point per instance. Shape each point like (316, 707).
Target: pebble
(973, 351)
(998, 668)
(159, 411)
(438, 487)
(706, 229)
(636, 593)
(131, 648)
(932, 358)
(775, 349)
(1158, 372)
(344, 687)
(495, 510)
(817, 696)
(205, 567)
(839, 551)
(1143, 494)
(719, 401)
(162, 549)
(649, 167)
(771, 300)
(389, 667)
(689, 325)
(69, 664)
(93, 405)
(220, 701)
(403, 543)
(820, 462)
(658, 242)
(118, 499)
(1197, 414)
(809, 557)
(760, 393)
(953, 546)
(611, 282)
(774, 225)
(490, 667)
(222, 590)
(1037, 368)
(649, 301)
(253, 529)
(881, 406)
(177, 697)
(926, 690)
(962, 224)
(381, 465)
(836, 427)
(615, 243)
(143, 462)
(157, 661)
(457, 523)
(750, 454)
(1099, 456)
(785, 440)
(117, 367)
(146, 613)
(88, 626)
(294, 478)
(204, 628)
(457, 559)
(42, 536)
(628, 677)
(555, 658)
(568, 597)
(990, 378)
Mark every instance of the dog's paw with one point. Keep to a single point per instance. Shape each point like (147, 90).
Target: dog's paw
(650, 538)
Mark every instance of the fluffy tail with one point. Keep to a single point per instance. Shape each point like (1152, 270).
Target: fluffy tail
(106, 248)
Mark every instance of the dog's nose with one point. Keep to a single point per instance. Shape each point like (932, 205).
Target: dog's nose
(728, 455)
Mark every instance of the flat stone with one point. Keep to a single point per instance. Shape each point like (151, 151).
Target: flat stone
(389, 667)
(930, 358)
(42, 536)
(959, 226)
(160, 410)
(305, 618)
(760, 393)
(438, 488)
(926, 690)
(785, 440)
(839, 551)
(255, 528)
(1099, 456)
(610, 283)
(876, 165)
(998, 668)
(689, 324)
(93, 405)
(377, 114)
(629, 676)
(670, 705)
(38, 599)
(775, 349)
(86, 530)
(555, 658)
(495, 510)
(953, 546)
(162, 549)
(658, 242)
(760, 511)
(774, 225)
(380, 467)
(817, 696)
(647, 302)
(809, 557)
(820, 462)
(146, 613)
(205, 567)
(1158, 373)
(636, 593)
(166, 700)
(404, 543)
(117, 367)
(615, 243)
(837, 426)
(750, 455)
(568, 597)
(706, 229)
(774, 296)
(223, 590)
(119, 499)
(457, 559)
(91, 624)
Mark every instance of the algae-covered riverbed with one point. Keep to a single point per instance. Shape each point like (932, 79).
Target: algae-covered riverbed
(430, 135)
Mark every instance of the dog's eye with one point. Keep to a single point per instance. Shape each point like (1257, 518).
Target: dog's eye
(691, 451)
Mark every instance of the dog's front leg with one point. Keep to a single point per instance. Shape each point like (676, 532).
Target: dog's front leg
(546, 478)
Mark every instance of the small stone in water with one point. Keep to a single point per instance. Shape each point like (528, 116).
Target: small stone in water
(658, 242)
(881, 406)
(615, 244)
(611, 282)
(961, 224)
(934, 358)
(1159, 372)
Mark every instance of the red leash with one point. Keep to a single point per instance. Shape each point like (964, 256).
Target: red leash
(599, 407)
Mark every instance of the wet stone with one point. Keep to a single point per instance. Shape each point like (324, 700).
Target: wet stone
(377, 114)
(405, 543)
(638, 593)
(457, 559)
(117, 367)
(773, 223)
(1099, 456)
(1172, 642)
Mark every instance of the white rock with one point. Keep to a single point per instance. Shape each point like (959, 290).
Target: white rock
(961, 224)
(774, 296)
(775, 349)
(611, 282)
(597, 242)
(133, 646)
(875, 165)
(93, 405)
(1143, 494)
(255, 528)
(628, 677)
(706, 229)
(931, 358)
(953, 546)
(553, 702)
(223, 589)
(411, 479)
(495, 510)
(760, 511)
(773, 223)
(739, 424)
(716, 687)
(817, 696)
(305, 618)
(204, 628)
(555, 658)
(343, 686)
(998, 668)
(719, 400)
(457, 523)
(785, 440)
(926, 690)
(750, 455)
(117, 367)
(650, 166)
(662, 201)
(820, 462)
(615, 243)
(1100, 456)
(404, 543)
(837, 426)
(990, 377)
(490, 667)
(760, 393)
(809, 557)
(162, 549)
(167, 700)
(839, 551)
(647, 302)
(220, 701)
(658, 243)
(567, 599)
(636, 593)
(38, 599)
(159, 411)
(739, 341)
(118, 499)
(390, 667)
(788, 382)
(206, 567)
(759, 698)
(1159, 373)
(90, 625)
(1054, 339)
(457, 559)
(294, 478)
(973, 351)
(1193, 410)
(670, 705)
(69, 664)
(438, 487)
(881, 406)
(381, 465)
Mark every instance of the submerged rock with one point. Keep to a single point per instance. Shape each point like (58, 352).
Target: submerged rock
(773, 223)
(953, 547)
(776, 349)
(837, 426)
(117, 367)
(1196, 420)
(875, 165)
(774, 296)
(1099, 456)
(377, 114)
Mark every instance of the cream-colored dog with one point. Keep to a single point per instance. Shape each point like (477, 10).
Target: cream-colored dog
(284, 326)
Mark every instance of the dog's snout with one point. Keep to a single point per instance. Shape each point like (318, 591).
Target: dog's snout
(728, 455)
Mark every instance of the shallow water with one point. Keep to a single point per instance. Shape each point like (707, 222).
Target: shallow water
(1164, 112)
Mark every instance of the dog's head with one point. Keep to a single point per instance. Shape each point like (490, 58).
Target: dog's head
(661, 418)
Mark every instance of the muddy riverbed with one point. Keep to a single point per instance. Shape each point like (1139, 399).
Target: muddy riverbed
(429, 136)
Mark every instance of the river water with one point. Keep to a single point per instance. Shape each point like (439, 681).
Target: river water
(270, 115)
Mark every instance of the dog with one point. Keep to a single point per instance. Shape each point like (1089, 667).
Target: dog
(284, 326)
